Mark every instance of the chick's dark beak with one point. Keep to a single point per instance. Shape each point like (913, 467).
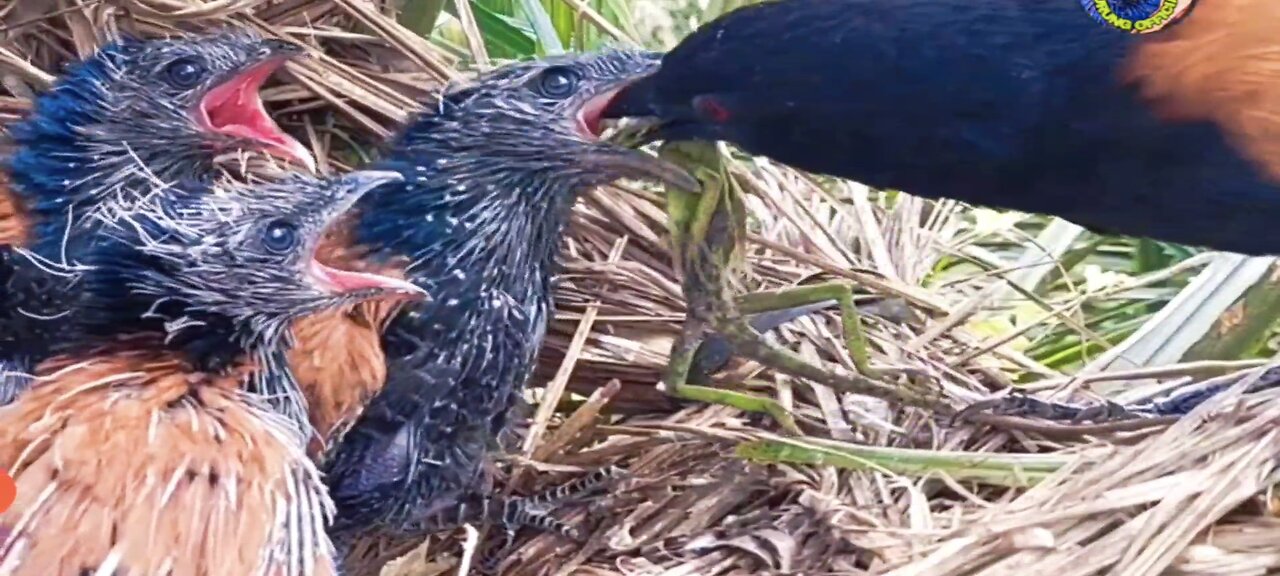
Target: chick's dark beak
(362, 285)
(622, 160)
(639, 164)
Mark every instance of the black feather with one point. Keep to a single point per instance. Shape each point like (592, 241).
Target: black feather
(1017, 104)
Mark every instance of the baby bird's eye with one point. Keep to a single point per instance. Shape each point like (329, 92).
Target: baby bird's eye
(184, 72)
(280, 237)
(557, 82)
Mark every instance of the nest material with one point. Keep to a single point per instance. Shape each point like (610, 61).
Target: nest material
(1189, 499)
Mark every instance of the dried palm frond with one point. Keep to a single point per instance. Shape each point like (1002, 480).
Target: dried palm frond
(869, 487)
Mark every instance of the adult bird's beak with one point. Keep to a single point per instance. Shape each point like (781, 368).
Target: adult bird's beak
(353, 186)
(633, 163)
(635, 99)
(653, 115)
(234, 107)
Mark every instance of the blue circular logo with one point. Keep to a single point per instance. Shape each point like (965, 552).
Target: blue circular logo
(1136, 16)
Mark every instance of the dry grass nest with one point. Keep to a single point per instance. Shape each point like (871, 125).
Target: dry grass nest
(868, 487)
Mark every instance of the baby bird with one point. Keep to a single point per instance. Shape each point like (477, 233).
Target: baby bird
(138, 450)
(490, 176)
(134, 112)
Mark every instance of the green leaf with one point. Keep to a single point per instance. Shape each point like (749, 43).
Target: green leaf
(1150, 255)
(564, 19)
(543, 29)
(421, 15)
(1013, 470)
(1194, 314)
(505, 37)
(619, 13)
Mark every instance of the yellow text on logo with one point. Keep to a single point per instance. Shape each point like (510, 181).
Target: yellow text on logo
(1168, 9)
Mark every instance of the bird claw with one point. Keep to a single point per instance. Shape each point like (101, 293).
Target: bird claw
(1022, 405)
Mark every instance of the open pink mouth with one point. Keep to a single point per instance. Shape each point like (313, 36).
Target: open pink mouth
(589, 116)
(235, 108)
(589, 124)
(339, 282)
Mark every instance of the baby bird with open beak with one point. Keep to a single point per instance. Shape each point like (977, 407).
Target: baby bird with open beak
(135, 112)
(138, 450)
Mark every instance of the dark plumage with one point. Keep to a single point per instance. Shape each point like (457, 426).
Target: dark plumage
(1017, 104)
(35, 298)
(377, 461)
(138, 450)
(491, 174)
(137, 111)
(134, 113)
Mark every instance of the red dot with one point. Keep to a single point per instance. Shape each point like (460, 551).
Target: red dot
(713, 110)
(8, 491)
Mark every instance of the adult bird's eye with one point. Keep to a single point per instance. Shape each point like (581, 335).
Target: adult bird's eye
(557, 82)
(280, 237)
(184, 72)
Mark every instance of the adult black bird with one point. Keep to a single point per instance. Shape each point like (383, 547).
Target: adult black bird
(492, 171)
(139, 449)
(1020, 104)
(134, 113)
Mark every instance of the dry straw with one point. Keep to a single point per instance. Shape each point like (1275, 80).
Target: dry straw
(874, 489)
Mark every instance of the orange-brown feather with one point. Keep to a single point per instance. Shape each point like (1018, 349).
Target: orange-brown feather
(134, 459)
(15, 227)
(1220, 63)
(337, 358)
